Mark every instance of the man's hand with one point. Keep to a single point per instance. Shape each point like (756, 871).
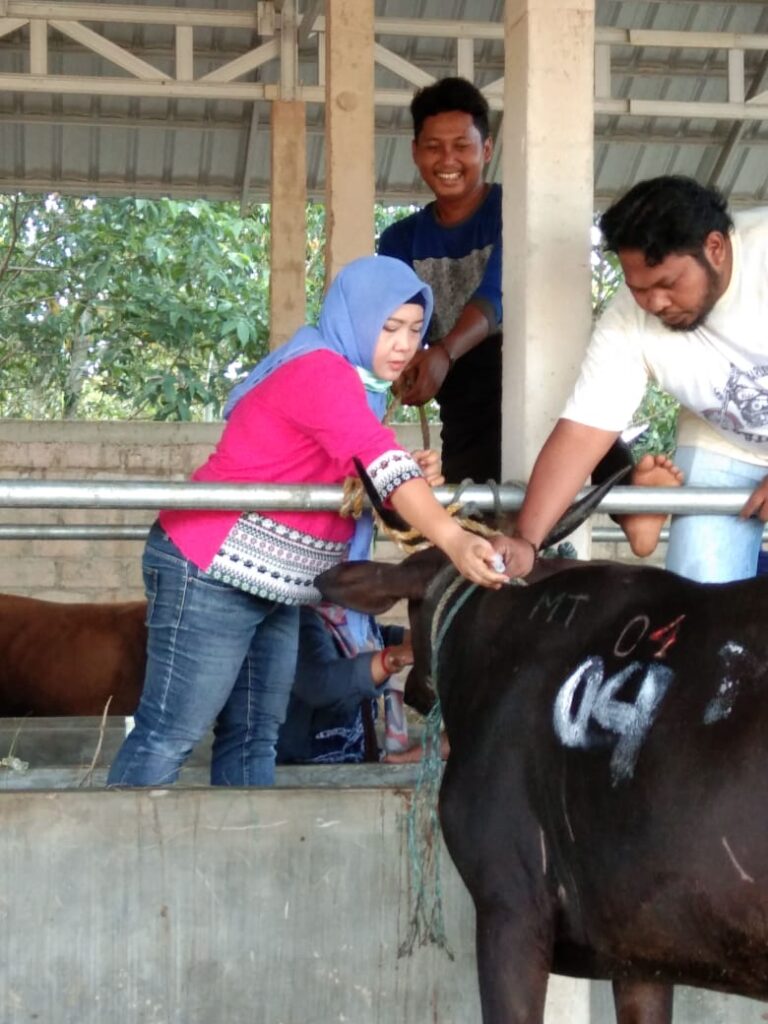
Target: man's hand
(430, 464)
(519, 555)
(757, 505)
(423, 376)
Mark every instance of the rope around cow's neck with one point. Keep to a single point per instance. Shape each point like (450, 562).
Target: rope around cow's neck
(427, 923)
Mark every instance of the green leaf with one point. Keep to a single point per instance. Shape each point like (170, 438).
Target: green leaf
(243, 332)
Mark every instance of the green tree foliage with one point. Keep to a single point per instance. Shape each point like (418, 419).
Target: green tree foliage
(128, 308)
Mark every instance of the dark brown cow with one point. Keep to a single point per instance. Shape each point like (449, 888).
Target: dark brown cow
(69, 659)
(606, 795)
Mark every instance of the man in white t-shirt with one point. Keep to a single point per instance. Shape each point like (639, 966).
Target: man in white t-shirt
(692, 315)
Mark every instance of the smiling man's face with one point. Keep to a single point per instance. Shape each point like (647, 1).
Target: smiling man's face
(451, 156)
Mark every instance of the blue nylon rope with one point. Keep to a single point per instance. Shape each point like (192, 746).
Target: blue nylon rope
(427, 923)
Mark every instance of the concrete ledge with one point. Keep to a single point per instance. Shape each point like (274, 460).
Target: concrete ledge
(58, 753)
(331, 776)
(244, 906)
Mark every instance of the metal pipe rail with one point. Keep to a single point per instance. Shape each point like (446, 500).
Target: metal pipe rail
(52, 531)
(120, 494)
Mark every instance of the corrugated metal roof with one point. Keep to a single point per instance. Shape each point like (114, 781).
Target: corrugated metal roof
(99, 141)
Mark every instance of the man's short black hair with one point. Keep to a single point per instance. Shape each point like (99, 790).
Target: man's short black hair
(446, 95)
(669, 214)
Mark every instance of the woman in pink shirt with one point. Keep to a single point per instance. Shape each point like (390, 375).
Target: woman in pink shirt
(224, 588)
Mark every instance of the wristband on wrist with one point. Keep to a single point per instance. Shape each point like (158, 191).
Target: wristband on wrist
(440, 345)
(386, 665)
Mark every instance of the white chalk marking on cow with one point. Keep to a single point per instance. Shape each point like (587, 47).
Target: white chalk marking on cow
(543, 851)
(629, 721)
(721, 705)
(742, 873)
(552, 605)
(569, 827)
(639, 620)
(327, 824)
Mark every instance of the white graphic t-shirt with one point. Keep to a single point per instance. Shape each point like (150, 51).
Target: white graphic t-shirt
(719, 372)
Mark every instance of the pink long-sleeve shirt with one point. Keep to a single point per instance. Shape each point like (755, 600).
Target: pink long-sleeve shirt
(302, 424)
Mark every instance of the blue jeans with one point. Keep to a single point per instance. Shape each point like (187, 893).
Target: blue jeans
(718, 548)
(214, 654)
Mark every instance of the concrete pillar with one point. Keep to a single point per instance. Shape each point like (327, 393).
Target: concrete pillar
(349, 120)
(287, 293)
(548, 190)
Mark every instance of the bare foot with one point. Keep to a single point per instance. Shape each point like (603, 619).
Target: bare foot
(415, 753)
(643, 529)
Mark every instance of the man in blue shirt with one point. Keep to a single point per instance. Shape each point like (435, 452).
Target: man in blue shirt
(454, 243)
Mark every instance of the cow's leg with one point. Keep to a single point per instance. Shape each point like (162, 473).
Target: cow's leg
(642, 1002)
(512, 967)
(502, 860)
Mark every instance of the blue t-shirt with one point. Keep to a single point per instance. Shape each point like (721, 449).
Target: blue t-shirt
(461, 262)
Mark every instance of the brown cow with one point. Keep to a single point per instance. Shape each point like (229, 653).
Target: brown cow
(69, 659)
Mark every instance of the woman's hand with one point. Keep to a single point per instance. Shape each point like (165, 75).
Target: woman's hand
(475, 558)
(398, 657)
(431, 466)
(390, 660)
(757, 505)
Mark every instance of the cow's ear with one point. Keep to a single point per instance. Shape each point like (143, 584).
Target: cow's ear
(374, 587)
(363, 586)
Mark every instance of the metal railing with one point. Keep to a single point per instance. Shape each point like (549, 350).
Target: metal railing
(120, 494)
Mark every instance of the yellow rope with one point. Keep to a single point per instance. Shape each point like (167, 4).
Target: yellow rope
(411, 540)
(407, 541)
(352, 497)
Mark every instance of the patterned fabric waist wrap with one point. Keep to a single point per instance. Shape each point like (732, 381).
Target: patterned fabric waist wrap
(274, 561)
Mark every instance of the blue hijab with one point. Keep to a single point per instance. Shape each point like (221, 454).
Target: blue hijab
(362, 296)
